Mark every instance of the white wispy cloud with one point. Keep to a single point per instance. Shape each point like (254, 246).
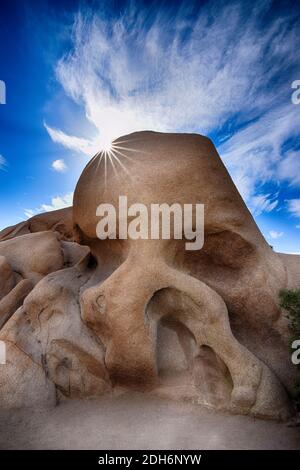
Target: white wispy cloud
(263, 203)
(71, 142)
(254, 154)
(129, 77)
(29, 213)
(273, 234)
(59, 165)
(2, 161)
(294, 207)
(289, 168)
(57, 202)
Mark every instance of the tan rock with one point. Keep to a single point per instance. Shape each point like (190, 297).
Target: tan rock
(236, 270)
(23, 382)
(58, 221)
(7, 278)
(34, 256)
(76, 373)
(199, 325)
(13, 300)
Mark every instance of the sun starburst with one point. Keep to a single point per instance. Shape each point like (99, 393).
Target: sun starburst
(112, 154)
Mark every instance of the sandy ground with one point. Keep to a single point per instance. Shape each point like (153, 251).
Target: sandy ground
(138, 422)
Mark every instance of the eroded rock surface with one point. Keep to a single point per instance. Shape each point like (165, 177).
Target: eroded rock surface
(59, 221)
(108, 315)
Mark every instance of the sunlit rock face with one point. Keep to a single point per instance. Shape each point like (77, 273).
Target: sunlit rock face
(96, 315)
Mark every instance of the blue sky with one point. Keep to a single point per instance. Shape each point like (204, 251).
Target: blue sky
(79, 73)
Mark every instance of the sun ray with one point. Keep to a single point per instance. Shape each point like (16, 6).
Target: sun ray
(115, 148)
(119, 160)
(128, 149)
(113, 154)
(101, 154)
(121, 154)
(122, 165)
(105, 169)
(111, 159)
(127, 141)
(92, 160)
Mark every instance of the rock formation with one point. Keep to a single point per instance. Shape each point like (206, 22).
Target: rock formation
(59, 221)
(89, 316)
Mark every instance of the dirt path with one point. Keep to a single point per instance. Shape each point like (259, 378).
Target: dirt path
(139, 422)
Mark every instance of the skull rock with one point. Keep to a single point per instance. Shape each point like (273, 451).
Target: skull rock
(143, 284)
